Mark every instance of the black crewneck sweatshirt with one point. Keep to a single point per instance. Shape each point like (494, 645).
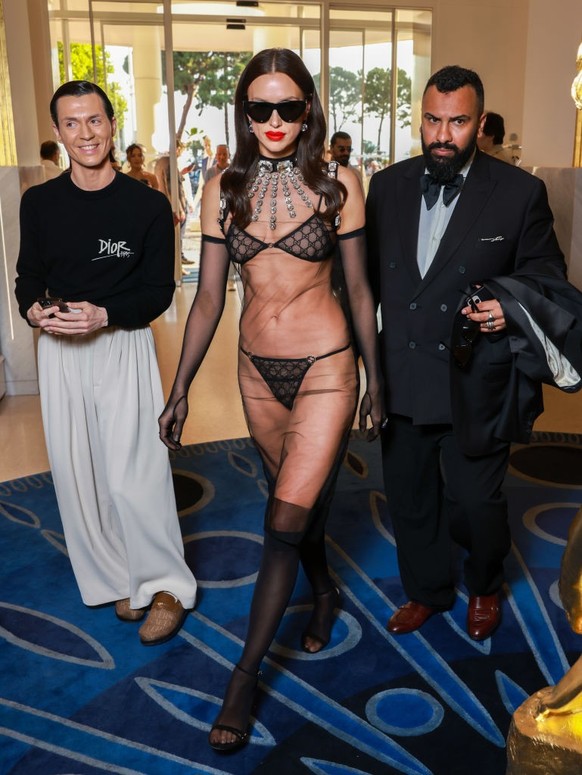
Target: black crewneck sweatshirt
(113, 247)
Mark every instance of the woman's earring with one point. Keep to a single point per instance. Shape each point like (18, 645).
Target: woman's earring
(304, 127)
(251, 130)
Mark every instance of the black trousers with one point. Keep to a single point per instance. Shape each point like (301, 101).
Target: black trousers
(436, 495)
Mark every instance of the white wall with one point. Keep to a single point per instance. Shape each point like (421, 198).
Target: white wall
(16, 336)
(19, 51)
(549, 118)
(490, 38)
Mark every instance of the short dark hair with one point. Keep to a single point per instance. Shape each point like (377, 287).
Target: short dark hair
(339, 136)
(453, 77)
(79, 89)
(48, 149)
(494, 126)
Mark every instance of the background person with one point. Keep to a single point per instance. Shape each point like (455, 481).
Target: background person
(137, 171)
(340, 148)
(50, 153)
(439, 225)
(222, 161)
(162, 172)
(297, 367)
(491, 136)
(206, 165)
(104, 243)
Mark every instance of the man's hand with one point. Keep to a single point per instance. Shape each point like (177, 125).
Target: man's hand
(489, 315)
(83, 318)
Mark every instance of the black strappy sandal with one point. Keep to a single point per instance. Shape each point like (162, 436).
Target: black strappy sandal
(242, 736)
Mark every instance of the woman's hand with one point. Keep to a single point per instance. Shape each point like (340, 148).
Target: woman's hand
(372, 406)
(171, 422)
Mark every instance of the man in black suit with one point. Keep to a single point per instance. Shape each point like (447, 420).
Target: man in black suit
(439, 225)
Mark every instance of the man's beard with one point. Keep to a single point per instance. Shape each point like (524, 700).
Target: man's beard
(444, 169)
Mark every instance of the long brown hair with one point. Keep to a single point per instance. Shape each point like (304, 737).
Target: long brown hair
(310, 143)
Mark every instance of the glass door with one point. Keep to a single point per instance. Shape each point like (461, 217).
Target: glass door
(171, 69)
(379, 112)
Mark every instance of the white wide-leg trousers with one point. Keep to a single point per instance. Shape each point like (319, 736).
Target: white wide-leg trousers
(100, 397)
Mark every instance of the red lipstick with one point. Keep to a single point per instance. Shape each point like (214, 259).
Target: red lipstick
(275, 135)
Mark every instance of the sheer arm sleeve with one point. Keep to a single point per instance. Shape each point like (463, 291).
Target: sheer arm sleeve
(201, 325)
(372, 242)
(353, 257)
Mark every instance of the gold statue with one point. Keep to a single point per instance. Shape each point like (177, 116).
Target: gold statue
(545, 737)
(577, 97)
(560, 710)
(577, 82)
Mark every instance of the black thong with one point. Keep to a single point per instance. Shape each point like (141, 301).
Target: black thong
(285, 375)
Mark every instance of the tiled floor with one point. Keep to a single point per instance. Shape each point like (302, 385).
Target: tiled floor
(215, 407)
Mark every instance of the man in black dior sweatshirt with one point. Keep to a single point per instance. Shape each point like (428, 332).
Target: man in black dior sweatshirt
(104, 244)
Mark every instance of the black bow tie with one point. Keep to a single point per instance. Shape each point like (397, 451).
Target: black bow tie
(431, 189)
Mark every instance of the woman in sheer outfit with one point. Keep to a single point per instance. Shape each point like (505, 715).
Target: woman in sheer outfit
(279, 213)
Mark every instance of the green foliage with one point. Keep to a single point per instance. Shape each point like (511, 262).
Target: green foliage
(344, 96)
(346, 103)
(210, 78)
(219, 85)
(81, 59)
(190, 68)
(378, 96)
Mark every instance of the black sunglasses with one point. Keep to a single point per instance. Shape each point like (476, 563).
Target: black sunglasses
(289, 110)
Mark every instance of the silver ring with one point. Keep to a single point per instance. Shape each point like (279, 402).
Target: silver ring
(490, 318)
(490, 325)
(384, 423)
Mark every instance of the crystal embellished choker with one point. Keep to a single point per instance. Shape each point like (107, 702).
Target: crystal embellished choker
(269, 173)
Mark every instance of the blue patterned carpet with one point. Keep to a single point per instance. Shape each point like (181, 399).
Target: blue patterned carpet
(79, 694)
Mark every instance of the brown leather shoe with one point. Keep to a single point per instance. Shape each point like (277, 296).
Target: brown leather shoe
(164, 620)
(483, 616)
(409, 617)
(127, 614)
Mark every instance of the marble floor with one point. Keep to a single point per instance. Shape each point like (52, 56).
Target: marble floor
(215, 407)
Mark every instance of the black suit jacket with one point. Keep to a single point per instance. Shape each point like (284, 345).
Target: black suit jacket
(543, 315)
(501, 224)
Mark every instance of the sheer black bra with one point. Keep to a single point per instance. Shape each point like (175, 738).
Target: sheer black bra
(311, 241)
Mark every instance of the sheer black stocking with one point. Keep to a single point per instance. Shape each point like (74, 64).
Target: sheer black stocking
(231, 728)
(284, 529)
(325, 595)
(314, 561)
(317, 634)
